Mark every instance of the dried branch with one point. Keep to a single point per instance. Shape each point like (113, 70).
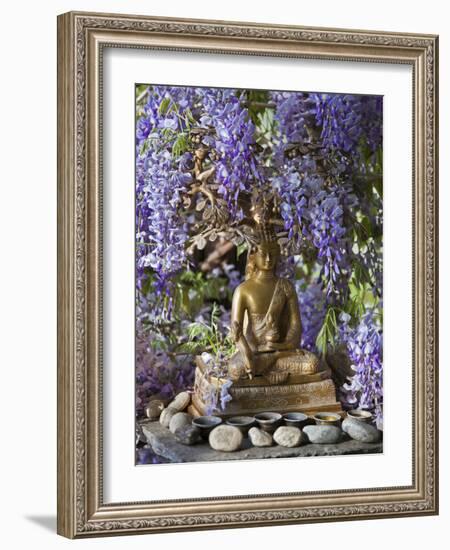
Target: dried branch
(215, 258)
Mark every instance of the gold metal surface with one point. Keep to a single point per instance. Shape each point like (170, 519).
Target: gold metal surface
(309, 393)
(327, 418)
(81, 39)
(266, 324)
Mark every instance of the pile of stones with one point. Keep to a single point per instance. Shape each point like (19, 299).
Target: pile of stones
(229, 438)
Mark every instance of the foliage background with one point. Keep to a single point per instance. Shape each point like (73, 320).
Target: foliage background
(320, 155)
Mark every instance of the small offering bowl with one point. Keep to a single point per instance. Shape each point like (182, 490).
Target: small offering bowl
(328, 419)
(268, 421)
(296, 419)
(360, 415)
(206, 424)
(244, 423)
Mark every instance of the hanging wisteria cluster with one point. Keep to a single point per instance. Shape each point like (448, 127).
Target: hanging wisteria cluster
(322, 178)
(163, 161)
(161, 232)
(321, 156)
(231, 136)
(364, 344)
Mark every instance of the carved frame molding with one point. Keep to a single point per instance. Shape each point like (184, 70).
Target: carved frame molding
(81, 38)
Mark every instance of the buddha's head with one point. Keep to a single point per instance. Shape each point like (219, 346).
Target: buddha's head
(265, 258)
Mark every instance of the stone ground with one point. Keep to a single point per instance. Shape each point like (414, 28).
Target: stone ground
(164, 444)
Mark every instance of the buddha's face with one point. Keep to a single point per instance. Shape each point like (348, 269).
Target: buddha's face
(266, 257)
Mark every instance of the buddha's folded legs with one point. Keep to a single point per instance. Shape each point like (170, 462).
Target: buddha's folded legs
(300, 362)
(260, 362)
(279, 363)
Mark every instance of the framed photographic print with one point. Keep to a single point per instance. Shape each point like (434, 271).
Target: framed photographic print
(247, 285)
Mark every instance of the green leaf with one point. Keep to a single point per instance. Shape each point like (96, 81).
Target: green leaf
(189, 116)
(365, 222)
(164, 106)
(180, 145)
(255, 99)
(378, 184)
(147, 285)
(328, 332)
(240, 249)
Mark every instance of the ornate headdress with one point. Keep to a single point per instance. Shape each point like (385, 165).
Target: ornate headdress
(264, 213)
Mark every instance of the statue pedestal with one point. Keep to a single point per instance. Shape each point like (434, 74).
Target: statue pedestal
(307, 393)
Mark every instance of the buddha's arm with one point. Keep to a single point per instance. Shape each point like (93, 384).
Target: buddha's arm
(294, 324)
(238, 308)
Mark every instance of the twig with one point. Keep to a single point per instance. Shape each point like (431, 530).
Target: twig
(142, 95)
(261, 104)
(215, 257)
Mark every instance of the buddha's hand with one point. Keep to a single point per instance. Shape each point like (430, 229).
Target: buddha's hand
(276, 346)
(248, 370)
(236, 331)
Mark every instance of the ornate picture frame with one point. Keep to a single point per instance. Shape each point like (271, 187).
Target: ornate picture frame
(82, 38)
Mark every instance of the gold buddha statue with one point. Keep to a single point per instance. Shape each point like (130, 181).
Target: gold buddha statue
(269, 372)
(266, 324)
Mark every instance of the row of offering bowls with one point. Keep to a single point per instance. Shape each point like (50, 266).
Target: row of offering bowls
(270, 421)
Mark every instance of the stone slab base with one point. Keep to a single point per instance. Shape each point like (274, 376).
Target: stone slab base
(164, 444)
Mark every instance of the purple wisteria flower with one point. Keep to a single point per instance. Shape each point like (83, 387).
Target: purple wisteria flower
(233, 138)
(365, 349)
(161, 232)
(313, 211)
(163, 178)
(328, 235)
(157, 373)
(216, 398)
(312, 304)
(319, 192)
(349, 121)
(146, 455)
(295, 114)
(310, 208)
